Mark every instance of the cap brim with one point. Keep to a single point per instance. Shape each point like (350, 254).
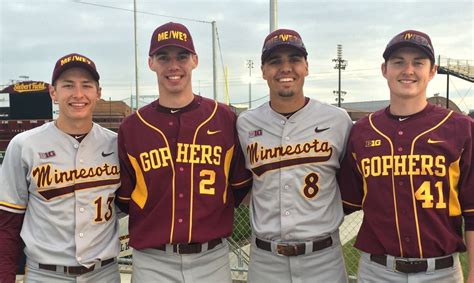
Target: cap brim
(152, 52)
(391, 49)
(95, 75)
(268, 52)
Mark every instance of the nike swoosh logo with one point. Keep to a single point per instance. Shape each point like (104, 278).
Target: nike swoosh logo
(106, 154)
(174, 111)
(317, 130)
(433, 141)
(402, 119)
(209, 132)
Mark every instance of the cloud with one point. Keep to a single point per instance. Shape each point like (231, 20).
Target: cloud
(34, 35)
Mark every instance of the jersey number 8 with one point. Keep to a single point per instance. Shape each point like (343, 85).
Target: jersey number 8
(311, 187)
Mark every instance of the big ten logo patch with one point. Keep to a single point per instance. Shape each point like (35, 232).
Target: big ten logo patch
(255, 133)
(373, 143)
(172, 34)
(45, 155)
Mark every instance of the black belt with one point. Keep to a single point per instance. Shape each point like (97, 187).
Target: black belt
(75, 270)
(191, 248)
(413, 266)
(293, 249)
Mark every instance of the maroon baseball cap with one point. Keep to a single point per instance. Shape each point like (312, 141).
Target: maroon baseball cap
(74, 60)
(171, 34)
(410, 38)
(281, 37)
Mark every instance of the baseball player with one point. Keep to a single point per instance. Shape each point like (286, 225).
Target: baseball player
(292, 145)
(58, 184)
(181, 161)
(409, 168)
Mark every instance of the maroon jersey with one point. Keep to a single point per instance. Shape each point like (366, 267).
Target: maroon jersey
(178, 170)
(413, 178)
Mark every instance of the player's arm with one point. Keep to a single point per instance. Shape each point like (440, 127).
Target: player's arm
(241, 193)
(466, 185)
(350, 180)
(240, 178)
(10, 244)
(127, 175)
(13, 202)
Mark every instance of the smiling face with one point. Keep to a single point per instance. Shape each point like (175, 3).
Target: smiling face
(408, 72)
(76, 93)
(173, 67)
(285, 71)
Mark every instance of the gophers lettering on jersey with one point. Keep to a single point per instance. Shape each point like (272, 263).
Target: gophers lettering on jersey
(186, 153)
(65, 182)
(401, 165)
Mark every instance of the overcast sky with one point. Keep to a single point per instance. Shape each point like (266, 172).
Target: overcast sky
(34, 34)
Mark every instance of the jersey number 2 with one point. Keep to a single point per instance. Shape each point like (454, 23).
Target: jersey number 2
(207, 182)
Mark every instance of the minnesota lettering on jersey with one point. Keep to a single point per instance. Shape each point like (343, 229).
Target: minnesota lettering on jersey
(186, 153)
(401, 165)
(322, 152)
(49, 180)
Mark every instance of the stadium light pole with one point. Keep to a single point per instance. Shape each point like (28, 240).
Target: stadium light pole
(273, 15)
(250, 66)
(136, 51)
(340, 65)
(447, 84)
(214, 59)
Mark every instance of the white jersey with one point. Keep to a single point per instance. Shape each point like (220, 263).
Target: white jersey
(295, 196)
(66, 190)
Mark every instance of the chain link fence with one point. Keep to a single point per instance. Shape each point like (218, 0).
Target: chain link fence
(240, 243)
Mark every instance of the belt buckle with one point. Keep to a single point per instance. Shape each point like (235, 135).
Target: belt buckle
(399, 263)
(286, 250)
(78, 270)
(408, 266)
(178, 248)
(188, 248)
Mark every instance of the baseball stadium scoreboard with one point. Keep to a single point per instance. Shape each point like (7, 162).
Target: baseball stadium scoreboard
(29, 106)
